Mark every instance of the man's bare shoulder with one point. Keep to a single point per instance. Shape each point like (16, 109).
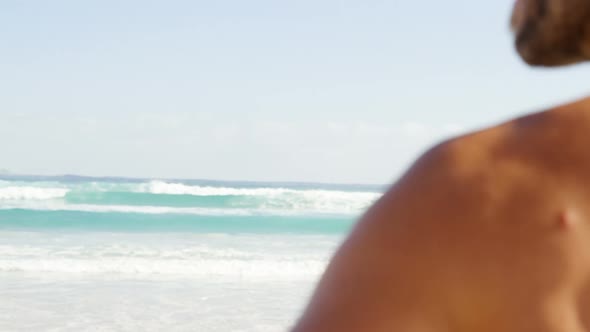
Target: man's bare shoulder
(443, 218)
(380, 279)
(489, 172)
(550, 143)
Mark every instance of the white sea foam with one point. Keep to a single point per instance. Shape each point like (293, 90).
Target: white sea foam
(59, 206)
(322, 201)
(15, 193)
(157, 282)
(156, 262)
(155, 210)
(161, 187)
(166, 267)
(244, 201)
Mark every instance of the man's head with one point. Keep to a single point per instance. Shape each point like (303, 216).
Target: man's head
(552, 32)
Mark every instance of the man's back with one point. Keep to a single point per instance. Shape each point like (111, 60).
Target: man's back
(486, 232)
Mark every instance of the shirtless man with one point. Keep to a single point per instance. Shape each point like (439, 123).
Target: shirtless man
(486, 232)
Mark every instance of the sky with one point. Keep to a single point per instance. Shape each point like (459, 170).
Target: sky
(315, 91)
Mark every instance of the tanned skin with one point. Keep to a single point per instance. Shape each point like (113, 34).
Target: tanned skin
(486, 232)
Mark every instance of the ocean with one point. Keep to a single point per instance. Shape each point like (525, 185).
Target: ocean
(115, 254)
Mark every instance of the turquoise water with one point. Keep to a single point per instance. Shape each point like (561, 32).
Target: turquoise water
(158, 206)
(135, 222)
(166, 255)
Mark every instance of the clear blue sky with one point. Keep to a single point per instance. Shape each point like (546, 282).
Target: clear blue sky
(330, 91)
